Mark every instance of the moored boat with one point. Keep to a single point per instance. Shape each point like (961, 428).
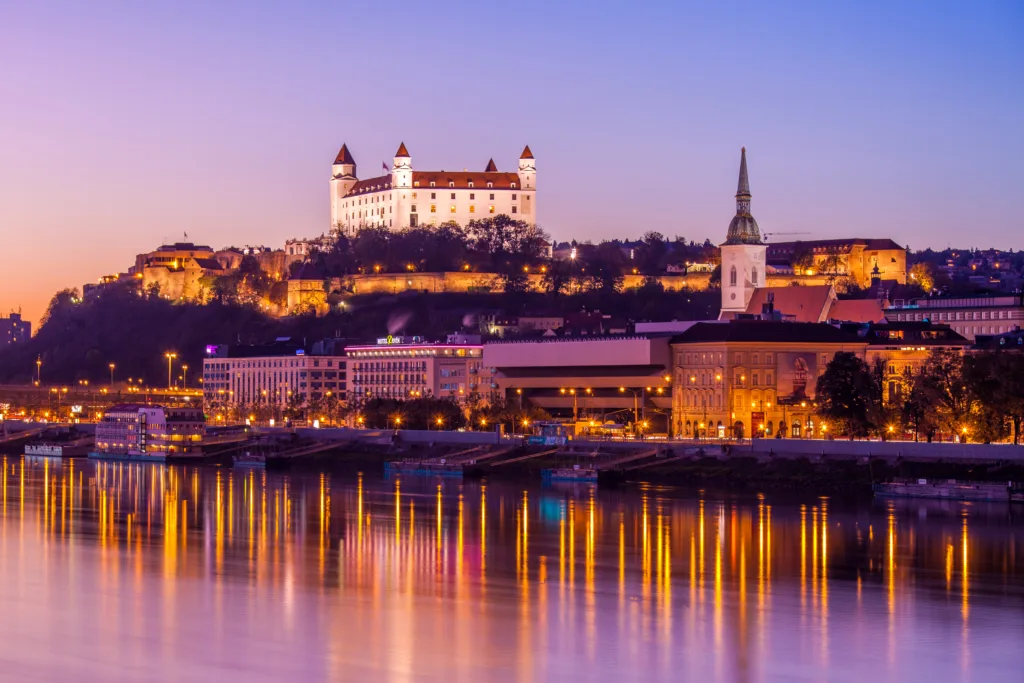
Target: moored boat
(56, 450)
(576, 473)
(249, 460)
(949, 489)
(440, 467)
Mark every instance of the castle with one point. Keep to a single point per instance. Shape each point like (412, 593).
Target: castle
(407, 198)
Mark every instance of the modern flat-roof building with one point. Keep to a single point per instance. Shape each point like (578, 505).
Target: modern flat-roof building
(970, 316)
(411, 367)
(279, 374)
(405, 198)
(14, 330)
(594, 377)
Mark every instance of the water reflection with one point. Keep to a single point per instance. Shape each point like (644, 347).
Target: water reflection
(132, 572)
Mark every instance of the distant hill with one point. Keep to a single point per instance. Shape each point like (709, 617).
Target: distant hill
(80, 339)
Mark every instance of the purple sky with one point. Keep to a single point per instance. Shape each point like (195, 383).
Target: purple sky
(125, 124)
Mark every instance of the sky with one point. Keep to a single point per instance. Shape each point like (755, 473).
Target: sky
(127, 124)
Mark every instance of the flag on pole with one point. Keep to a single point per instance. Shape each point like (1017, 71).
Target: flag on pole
(385, 166)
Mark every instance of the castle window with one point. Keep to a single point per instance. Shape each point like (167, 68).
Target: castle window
(451, 183)
(416, 184)
(414, 208)
(492, 196)
(472, 209)
(515, 209)
(732, 276)
(753, 277)
(453, 195)
(513, 186)
(471, 183)
(433, 195)
(414, 195)
(491, 209)
(471, 194)
(432, 184)
(453, 208)
(433, 208)
(513, 195)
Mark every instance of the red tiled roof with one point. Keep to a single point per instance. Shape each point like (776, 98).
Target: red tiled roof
(442, 179)
(491, 168)
(857, 311)
(805, 304)
(344, 156)
(402, 151)
(527, 154)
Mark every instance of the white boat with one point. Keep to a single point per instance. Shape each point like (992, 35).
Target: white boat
(56, 450)
(249, 460)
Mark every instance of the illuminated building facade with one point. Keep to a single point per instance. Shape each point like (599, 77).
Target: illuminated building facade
(742, 376)
(409, 367)
(408, 198)
(276, 375)
(969, 316)
(137, 429)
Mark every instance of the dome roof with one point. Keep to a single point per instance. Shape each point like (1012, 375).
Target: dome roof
(743, 230)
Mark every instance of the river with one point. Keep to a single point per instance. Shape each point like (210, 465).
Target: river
(128, 572)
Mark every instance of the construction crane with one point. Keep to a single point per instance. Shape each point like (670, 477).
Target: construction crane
(766, 235)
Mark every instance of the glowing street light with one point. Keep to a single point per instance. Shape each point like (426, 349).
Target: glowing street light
(112, 366)
(170, 356)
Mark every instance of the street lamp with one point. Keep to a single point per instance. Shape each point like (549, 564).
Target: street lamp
(39, 370)
(439, 421)
(170, 356)
(112, 366)
(184, 377)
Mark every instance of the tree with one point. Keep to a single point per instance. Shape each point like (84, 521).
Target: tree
(557, 277)
(922, 274)
(802, 259)
(945, 388)
(604, 267)
(846, 394)
(652, 255)
(60, 302)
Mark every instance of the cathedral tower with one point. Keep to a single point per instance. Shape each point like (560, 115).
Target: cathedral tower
(743, 254)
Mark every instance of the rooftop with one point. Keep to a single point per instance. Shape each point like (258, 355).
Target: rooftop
(735, 331)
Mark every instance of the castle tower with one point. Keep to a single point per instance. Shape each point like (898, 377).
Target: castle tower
(343, 177)
(743, 254)
(527, 170)
(401, 171)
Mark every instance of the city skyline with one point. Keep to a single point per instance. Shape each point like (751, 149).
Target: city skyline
(137, 125)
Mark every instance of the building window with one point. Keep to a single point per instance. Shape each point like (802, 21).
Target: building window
(414, 208)
(433, 184)
(732, 276)
(471, 194)
(491, 209)
(416, 184)
(433, 195)
(513, 195)
(491, 185)
(471, 183)
(453, 195)
(472, 209)
(513, 186)
(453, 208)
(433, 208)
(514, 210)
(753, 277)
(451, 183)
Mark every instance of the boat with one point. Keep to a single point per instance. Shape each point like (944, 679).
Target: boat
(128, 457)
(950, 489)
(576, 473)
(249, 460)
(440, 467)
(56, 450)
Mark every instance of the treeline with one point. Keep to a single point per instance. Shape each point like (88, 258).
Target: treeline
(978, 396)
(503, 246)
(77, 340)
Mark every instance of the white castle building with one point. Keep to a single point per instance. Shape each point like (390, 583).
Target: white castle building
(406, 197)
